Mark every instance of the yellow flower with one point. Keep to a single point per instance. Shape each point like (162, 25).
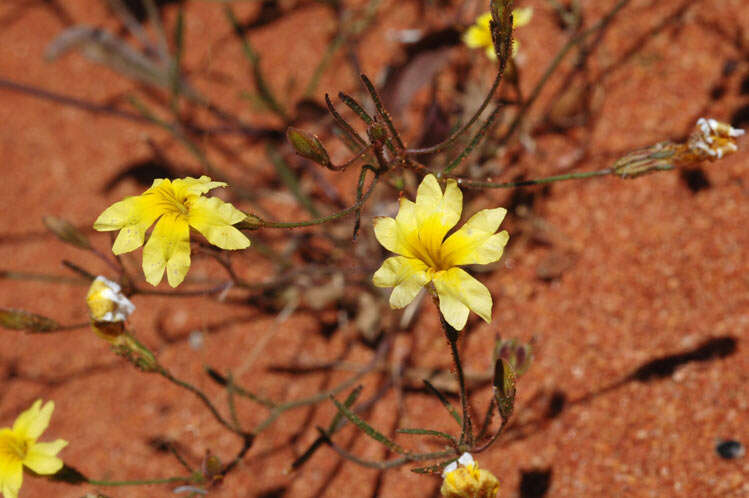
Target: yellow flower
(108, 308)
(467, 480)
(480, 36)
(418, 233)
(18, 447)
(177, 205)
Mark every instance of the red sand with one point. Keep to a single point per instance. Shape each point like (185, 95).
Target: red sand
(658, 270)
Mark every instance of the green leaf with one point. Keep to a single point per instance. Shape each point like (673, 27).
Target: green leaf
(24, 320)
(444, 401)
(66, 232)
(368, 429)
(427, 432)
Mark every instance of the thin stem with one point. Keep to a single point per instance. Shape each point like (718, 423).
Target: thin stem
(319, 221)
(140, 482)
(343, 124)
(475, 141)
(388, 464)
(452, 337)
(571, 43)
(526, 183)
(382, 111)
(447, 142)
(197, 392)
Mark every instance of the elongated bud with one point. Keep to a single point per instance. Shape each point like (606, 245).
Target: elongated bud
(501, 28)
(66, 232)
(308, 146)
(504, 387)
(251, 222)
(24, 320)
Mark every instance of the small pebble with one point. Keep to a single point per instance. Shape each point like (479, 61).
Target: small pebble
(730, 449)
(196, 340)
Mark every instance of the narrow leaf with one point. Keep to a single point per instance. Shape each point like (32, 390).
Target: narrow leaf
(368, 429)
(444, 401)
(427, 432)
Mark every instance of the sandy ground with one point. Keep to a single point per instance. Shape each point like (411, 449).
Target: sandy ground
(641, 361)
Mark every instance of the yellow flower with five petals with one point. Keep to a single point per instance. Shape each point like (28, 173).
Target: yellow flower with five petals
(417, 235)
(479, 35)
(175, 206)
(19, 447)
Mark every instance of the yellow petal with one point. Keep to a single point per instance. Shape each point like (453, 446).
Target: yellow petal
(521, 16)
(31, 423)
(214, 219)
(133, 216)
(399, 235)
(459, 292)
(406, 275)
(386, 233)
(515, 48)
(483, 21)
(477, 37)
(436, 213)
(189, 186)
(490, 53)
(42, 459)
(476, 242)
(168, 248)
(11, 476)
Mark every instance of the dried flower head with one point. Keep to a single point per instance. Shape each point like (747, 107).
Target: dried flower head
(417, 235)
(710, 141)
(108, 308)
(479, 35)
(19, 447)
(175, 206)
(464, 479)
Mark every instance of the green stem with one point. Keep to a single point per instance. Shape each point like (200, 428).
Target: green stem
(526, 183)
(140, 482)
(571, 43)
(452, 337)
(201, 395)
(319, 221)
(445, 144)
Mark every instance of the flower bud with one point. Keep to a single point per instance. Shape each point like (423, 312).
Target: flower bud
(307, 145)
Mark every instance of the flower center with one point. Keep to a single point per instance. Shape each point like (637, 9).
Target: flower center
(171, 203)
(13, 447)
